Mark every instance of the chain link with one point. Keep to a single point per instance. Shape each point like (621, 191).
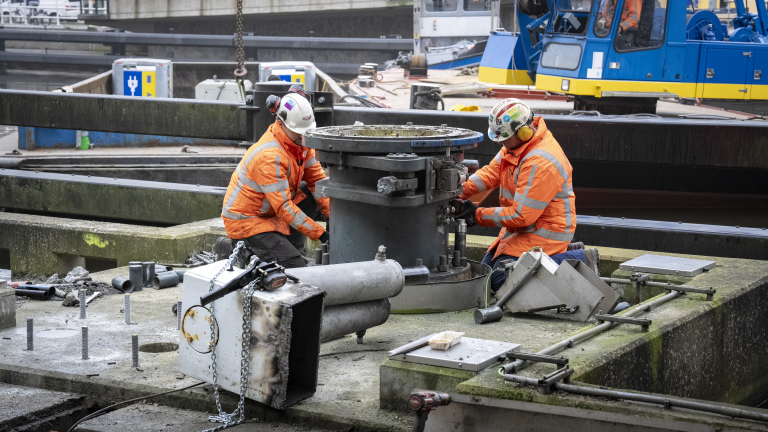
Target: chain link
(240, 49)
(237, 416)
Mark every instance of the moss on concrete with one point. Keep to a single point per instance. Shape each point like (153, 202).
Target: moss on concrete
(163, 207)
(37, 243)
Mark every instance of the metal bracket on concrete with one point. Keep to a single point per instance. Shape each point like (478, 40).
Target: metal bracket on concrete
(645, 323)
(539, 358)
(710, 292)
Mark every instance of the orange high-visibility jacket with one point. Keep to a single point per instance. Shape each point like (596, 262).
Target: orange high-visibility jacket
(261, 191)
(538, 207)
(630, 13)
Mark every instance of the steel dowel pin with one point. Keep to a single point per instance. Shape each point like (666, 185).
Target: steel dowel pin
(30, 334)
(84, 334)
(127, 309)
(178, 315)
(135, 349)
(82, 293)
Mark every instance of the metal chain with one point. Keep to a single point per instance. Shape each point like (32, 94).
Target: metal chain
(240, 50)
(228, 419)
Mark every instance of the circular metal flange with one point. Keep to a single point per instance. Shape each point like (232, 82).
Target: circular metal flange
(196, 327)
(387, 139)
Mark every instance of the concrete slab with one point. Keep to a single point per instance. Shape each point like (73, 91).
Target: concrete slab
(694, 348)
(21, 407)
(161, 418)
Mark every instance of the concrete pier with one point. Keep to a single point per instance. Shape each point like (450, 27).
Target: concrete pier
(695, 349)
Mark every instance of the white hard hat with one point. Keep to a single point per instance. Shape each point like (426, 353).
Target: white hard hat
(296, 113)
(507, 118)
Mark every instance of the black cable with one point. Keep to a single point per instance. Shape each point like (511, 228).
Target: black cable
(129, 401)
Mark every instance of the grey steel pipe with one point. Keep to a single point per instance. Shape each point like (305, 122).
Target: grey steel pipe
(567, 343)
(318, 256)
(460, 237)
(122, 284)
(165, 280)
(669, 402)
(341, 320)
(32, 293)
(180, 274)
(326, 259)
(30, 334)
(456, 258)
(84, 346)
(135, 275)
(148, 274)
(82, 303)
(135, 349)
(127, 309)
(178, 315)
(417, 275)
(354, 282)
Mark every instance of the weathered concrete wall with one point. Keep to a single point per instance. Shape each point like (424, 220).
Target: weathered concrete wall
(107, 198)
(709, 350)
(36, 243)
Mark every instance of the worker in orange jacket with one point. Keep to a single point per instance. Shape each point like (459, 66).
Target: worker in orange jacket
(538, 206)
(629, 20)
(260, 206)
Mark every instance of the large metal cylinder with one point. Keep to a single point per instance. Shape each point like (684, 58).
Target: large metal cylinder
(354, 282)
(412, 222)
(345, 319)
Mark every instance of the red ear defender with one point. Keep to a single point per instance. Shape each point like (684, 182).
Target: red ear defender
(272, 103)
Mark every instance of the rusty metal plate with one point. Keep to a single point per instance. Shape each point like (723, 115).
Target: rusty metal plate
(196, 329)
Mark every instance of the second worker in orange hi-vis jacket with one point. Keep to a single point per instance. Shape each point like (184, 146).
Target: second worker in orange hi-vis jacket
(535, 182)
(259, 206)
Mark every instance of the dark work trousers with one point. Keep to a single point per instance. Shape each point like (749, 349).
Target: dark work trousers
(498, 278)
(287, 250)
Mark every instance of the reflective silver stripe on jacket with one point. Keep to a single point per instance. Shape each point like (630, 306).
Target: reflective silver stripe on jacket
(241, 176)
(496, 217)
(547, 234)
(478, 182)
(310, 162)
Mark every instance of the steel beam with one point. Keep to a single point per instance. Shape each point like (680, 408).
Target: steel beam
(148, 116)
(659, 236)
(626, 152)
(276, 42)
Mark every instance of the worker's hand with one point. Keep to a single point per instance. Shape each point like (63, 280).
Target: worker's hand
(467, 212)
(324, 237)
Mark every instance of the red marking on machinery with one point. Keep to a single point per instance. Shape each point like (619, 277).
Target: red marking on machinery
(523, 94)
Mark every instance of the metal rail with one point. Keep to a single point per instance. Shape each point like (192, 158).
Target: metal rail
(568, 343)
(666, 402)
(275, 42)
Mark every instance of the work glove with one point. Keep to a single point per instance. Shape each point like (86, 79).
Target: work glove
(467, 212)
(324, 237)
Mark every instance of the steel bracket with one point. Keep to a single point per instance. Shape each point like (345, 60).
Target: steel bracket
(644, 323)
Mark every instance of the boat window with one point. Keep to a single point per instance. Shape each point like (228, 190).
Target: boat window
(440, 5)
(641, 25)
(477, 5)
(571, 16)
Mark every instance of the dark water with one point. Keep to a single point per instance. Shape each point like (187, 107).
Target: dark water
(16, 79)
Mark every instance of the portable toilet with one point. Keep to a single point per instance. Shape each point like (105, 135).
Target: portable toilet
(142, 77)
(290, 71)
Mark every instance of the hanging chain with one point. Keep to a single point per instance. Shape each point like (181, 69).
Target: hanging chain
(240, 71)
(237, 416)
